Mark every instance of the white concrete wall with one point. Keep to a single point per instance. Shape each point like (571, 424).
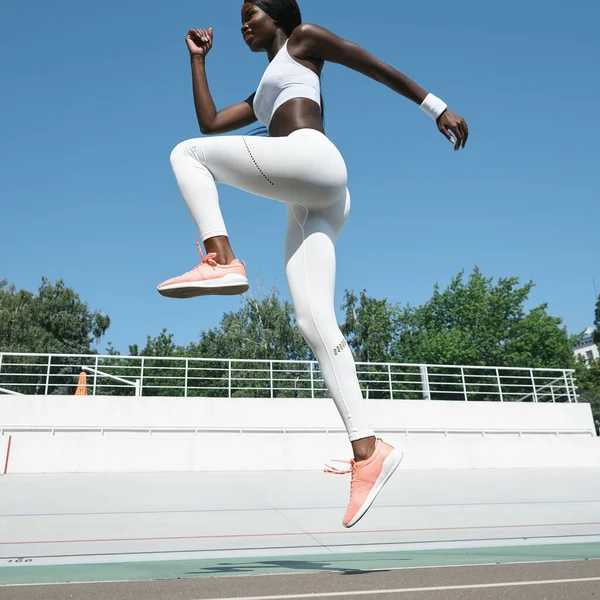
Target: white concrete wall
(555, 444)
(80, 411)
(86, 453)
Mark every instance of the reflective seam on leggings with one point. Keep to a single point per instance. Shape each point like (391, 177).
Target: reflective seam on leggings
(255, 163)
(337, 381)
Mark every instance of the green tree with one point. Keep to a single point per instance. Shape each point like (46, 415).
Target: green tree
(161, 345)
(53, 321)
(469, 323)
(539, 341)
(16, 318)
(161, 377)
(262, 329)
(587, 375)
(596, 333)
(473, 322)
(369, 326)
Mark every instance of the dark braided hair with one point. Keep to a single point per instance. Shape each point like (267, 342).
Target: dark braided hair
(287, 15)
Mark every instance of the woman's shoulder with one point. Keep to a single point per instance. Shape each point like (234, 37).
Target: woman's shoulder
(305, 38)
(305, 32)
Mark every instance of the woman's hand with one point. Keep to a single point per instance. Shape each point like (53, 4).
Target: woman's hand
(199, 41)
(447, 122)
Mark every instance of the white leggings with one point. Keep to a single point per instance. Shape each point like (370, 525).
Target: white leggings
(307, 172)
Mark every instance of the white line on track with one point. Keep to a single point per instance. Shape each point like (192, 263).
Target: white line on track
(411, 590)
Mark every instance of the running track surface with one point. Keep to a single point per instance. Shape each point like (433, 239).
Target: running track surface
(520, 534)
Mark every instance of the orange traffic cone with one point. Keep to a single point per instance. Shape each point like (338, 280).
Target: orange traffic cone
(81, 385)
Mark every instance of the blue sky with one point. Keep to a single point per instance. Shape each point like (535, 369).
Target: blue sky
(95, 96)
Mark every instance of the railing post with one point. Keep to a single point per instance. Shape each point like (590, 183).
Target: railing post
(567, 389)
(570, 388)
(499, 384)
(229, 379)
(425, 382)
(138, 388)
(48, 375)
(464, 382)
(95, 376)
(141, 380)
(312, 380)
(185, 381)
(552, 393)
(535, 398)
(271, 376)
(390, 380)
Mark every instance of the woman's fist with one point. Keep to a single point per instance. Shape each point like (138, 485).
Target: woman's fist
(199, 41)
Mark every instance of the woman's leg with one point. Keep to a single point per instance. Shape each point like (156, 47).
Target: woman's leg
(303, 168)
(310, 267)
(306, 171)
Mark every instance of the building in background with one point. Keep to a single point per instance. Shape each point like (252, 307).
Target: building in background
(586, 347)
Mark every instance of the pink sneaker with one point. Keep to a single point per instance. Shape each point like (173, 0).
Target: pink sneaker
(208, 278)
(368, 479)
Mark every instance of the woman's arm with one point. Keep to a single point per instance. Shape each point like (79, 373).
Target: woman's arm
(312, 41)
(199, 43)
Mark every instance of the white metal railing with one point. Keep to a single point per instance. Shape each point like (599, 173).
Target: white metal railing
(137, 384)
(151, 430)
(11, 392)
(51, 374)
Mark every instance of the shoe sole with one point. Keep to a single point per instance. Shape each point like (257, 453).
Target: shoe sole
(229, 285)
(390, 464)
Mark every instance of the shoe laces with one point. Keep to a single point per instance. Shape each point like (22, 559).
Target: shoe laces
(354, 482)
(330, 470)
(208, 260)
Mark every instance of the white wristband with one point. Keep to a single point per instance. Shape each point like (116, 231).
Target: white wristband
(433, 106)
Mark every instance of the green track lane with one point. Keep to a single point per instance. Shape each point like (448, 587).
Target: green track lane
(349, 563)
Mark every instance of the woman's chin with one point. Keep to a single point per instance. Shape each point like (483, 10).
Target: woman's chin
(251, 43)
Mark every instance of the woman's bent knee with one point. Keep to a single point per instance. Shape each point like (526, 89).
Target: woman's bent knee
(186, 149)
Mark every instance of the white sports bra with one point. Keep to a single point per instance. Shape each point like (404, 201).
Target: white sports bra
(284, 79)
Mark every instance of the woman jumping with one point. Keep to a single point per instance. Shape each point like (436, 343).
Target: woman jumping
(297, 164)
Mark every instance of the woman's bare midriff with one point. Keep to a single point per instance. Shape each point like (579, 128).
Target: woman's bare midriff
(298, 113)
